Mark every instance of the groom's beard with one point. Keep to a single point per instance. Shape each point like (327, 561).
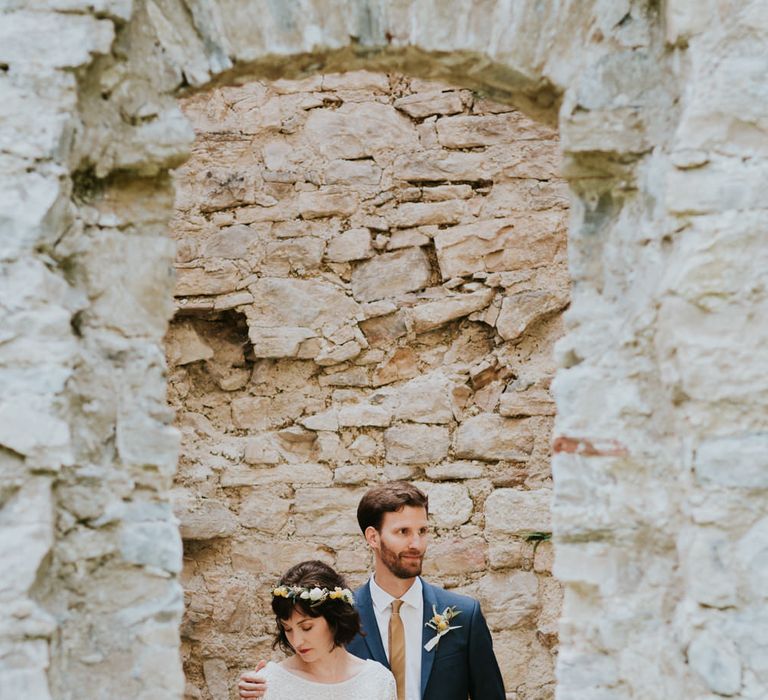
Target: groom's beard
(399, 565)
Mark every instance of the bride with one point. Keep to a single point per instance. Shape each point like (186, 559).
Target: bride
(316, 618)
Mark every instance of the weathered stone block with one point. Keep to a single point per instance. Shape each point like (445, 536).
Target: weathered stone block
(318, 205)
(425, 104)
(251, 413)
(359, 130)
(426, 214)
(533, 402)
(216, 677)
(153, 544)
(426, 399)
(752, 555)
(708, 555)
(451, 471)
(439, 166)
(520, 311)
(354, 244)
(273, 558)
(292, 255)
(384, 329)
(298, 473)
(736, 461)
(353, 172)
(191, 281)
(513, 512)
(205, 519)
(323, 511)
(184, 345)
(36, 433)
(717, 661)
(490, 437)
(325, 420)
(443, 193)
(544, 557)
(426, 317)
(264, 511)
(416, 444)
(509, 554)
(408, 238)
(391, 274)
(280, 342)
(365, 414)
(261, 450)
(509, 600)
(336, 354)
(25, 38)
(490, 129)
(511, 243)
(357, 376)
(455, 556)
(299, 303)
(402, 365)
(449, 504)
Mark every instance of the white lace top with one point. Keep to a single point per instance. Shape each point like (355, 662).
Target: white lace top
(372, 682)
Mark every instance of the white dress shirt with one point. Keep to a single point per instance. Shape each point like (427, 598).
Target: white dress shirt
(412, 614)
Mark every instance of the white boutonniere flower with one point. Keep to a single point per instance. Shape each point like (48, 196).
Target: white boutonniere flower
(441, 623)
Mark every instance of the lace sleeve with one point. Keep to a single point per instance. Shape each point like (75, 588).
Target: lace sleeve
(391, 694)
(383, 685)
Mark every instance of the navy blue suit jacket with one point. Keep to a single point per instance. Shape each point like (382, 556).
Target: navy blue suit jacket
(461, 666)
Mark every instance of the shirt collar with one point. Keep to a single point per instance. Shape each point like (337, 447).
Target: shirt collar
(382, 600)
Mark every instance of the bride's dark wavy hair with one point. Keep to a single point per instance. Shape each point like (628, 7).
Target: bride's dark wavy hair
(342, 618)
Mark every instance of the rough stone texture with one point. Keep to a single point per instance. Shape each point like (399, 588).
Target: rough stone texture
(662, 112)
(347, 361)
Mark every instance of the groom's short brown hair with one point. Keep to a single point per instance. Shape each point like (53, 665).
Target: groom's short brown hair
(388, 498)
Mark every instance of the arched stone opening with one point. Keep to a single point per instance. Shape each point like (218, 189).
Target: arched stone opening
(659, 455)
(393, 253)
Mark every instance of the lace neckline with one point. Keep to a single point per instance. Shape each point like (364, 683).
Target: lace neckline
(302, 679)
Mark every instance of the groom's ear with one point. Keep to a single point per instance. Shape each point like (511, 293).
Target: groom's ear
(372, 536)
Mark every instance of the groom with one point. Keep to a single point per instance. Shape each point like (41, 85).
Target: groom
(448, 658)
(443, 659)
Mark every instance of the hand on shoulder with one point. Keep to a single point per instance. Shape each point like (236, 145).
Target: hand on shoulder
(252, 684)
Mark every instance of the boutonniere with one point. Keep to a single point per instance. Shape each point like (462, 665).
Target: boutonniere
(441, 623)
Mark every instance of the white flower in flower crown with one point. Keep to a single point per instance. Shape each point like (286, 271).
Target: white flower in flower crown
(441, 623)
(316, 594)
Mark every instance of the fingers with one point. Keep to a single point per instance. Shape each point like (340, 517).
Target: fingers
(248, 691)
(251, 685)
(251, 678)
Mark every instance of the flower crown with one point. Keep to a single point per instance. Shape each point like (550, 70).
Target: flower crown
(314, 595)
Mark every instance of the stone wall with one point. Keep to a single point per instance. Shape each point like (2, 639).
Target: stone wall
(370, 277)
(659, 452)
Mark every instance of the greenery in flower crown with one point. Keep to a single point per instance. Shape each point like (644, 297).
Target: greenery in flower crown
(314, 596)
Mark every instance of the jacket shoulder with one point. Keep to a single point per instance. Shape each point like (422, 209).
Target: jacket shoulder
(451, 598)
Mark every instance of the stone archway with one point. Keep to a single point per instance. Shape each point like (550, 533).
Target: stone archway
(659, 460)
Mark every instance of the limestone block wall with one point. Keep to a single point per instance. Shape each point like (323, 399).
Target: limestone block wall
(371, 271)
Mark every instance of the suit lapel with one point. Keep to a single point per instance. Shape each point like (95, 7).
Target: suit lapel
(370, 626)
(427, 657)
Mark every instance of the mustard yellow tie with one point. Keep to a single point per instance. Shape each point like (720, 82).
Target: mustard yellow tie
(397, 648)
